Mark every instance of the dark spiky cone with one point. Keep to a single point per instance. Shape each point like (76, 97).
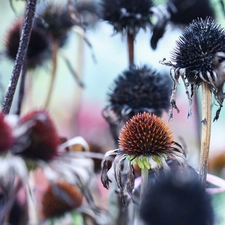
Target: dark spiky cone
(6, 134)
(199, 57)
(175, 200)
(138, 90)
(60, 198)
(196, 50)
(38, 49)
(41, 138)
(54, 20)
(184, 11)
(145, 134)
(127, 15)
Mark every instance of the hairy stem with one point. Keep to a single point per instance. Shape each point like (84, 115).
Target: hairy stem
(206, 131)
(130, 45)
(53, 74)
(21, 88)
(21, 53)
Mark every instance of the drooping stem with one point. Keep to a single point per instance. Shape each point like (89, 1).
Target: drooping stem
(206, 131)
(21, 88)
(53, 74)
(130, 45)
(21, 53)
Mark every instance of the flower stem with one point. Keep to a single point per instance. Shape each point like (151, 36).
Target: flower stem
(53, 75)
(206, 130)
(130, 45)
(21, 53)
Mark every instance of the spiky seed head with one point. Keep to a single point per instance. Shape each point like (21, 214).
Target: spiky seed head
(60, 198)
(127, 16)
(177, 199)
(138, 90)
(54, 19)
(38, 49)
(184, 11)
(196, 48)
(6, 135)
(41, 135)
(145, 135)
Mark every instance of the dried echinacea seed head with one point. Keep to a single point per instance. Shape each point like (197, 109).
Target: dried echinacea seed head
(127, 16)
(194, 59)
(138, 90)
(145, 134)
(60, 198)
(38, 49)
(40, 139)
(54, 20)
(148, 141)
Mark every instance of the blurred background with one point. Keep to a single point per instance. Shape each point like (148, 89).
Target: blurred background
(77, 111)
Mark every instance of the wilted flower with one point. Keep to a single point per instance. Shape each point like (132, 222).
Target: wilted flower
(197, 58)
(127, 16)
(146, 141)
(40, 140)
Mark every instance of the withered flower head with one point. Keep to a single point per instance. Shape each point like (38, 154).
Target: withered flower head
(127, 15)
(138, 90)
(60, 198)
(54, 19)
(177, 199)
(40, 141)
(146, 141)
(197, 57)
(38, 49)
(6, 134)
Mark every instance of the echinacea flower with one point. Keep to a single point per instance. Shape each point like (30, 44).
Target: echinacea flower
(145, 140)
(140, 89)
(40, 141)
(196, 59)
(127, 16)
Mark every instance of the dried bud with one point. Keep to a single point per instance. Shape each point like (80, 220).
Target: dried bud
(60, 198)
